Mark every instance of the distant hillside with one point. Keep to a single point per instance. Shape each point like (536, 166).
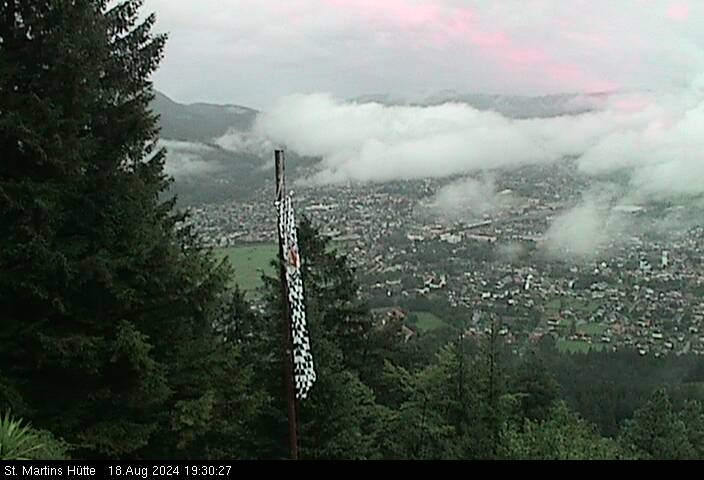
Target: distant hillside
(516, 106)
(208, 171)
(200, 121)
(512, 106)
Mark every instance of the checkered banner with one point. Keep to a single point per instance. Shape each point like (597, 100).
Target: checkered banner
(304, 373)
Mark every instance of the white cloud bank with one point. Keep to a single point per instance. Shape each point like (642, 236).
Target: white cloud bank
(658, 140)
(185, 159)
(655, 142)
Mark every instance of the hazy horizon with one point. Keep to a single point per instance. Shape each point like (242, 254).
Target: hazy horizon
(255, 52)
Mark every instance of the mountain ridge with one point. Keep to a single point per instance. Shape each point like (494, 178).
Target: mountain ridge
(201, 121)
(510, 106)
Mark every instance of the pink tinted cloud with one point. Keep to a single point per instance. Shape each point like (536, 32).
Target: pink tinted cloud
(564, 73)
(526, 55)
(633, 103)
(678, 11)
(441, 26)
(488, 39)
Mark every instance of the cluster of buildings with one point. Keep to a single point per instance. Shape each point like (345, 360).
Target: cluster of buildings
(643, 292)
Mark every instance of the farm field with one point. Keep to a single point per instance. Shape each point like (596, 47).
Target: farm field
(427, 321)
(248, 262)
(581, 307)
(593, 329)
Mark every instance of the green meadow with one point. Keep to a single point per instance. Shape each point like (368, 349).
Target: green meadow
(249, 261)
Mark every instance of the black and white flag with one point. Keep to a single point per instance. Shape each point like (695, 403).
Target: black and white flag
(303, 370)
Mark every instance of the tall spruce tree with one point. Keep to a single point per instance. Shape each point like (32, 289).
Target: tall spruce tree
(339, 418)
(105, 307)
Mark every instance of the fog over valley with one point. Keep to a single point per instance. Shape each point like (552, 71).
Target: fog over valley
(645, 147)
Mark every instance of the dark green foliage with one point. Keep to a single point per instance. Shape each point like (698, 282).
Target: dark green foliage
(339, 418)
(561, 435)
(456, 407)
(658, 431)
(19, 441)
(332, 297)
(692, 414)
(607, 387)
(536, 387)
(106, 309)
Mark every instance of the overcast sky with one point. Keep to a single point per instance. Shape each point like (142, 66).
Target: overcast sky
(252, 52)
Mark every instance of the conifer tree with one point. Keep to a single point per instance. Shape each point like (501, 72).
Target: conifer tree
(106, 309)
(340, 416)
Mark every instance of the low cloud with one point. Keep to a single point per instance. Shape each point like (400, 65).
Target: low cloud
(579, 233)
(510, 251)
(372, 142)
(185, 159)
(470, 198)
(655, 140)
(248, 142)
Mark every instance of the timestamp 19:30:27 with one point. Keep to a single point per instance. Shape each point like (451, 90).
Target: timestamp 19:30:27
(194, 470)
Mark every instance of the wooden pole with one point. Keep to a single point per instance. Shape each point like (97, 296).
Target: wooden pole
(286, 317)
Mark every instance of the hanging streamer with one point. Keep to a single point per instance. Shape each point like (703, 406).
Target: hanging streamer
(303, 368)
